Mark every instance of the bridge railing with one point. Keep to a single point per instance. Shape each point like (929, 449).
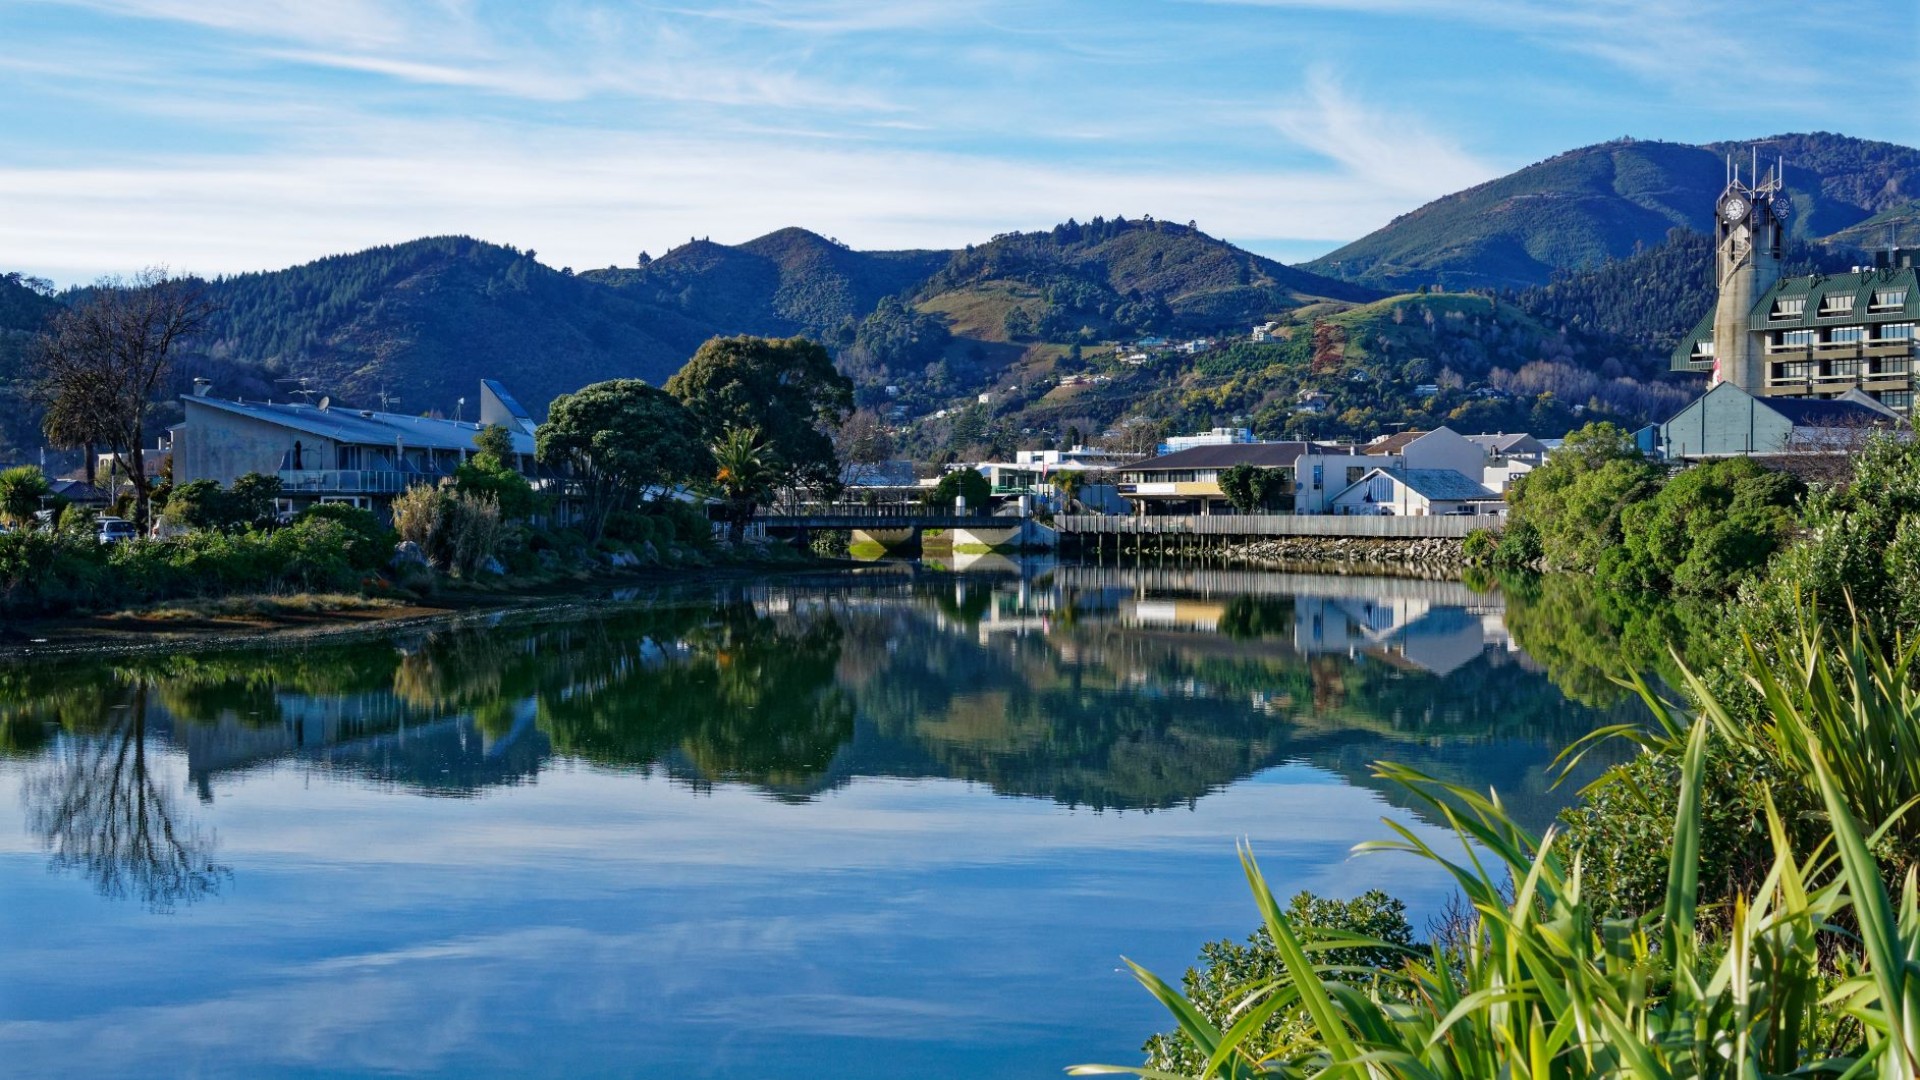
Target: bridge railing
(1367, 525)
(897, 512)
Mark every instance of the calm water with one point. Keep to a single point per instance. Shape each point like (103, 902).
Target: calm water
(898, 824)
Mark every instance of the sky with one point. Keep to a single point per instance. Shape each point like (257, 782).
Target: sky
(220, 136)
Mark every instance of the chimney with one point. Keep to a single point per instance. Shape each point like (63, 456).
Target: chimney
(201, 387)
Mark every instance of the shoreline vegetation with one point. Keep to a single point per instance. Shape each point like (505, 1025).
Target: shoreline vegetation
(1736, 899)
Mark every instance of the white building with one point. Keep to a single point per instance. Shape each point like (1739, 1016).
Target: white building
(1417, 493)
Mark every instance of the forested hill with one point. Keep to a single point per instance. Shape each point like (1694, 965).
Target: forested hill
(787, 282)
(1644, 304)
(425, 321)
(1583, 208)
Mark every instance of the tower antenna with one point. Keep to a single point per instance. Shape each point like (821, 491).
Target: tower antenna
(1756, 164)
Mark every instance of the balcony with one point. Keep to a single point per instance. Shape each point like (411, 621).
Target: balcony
(1890, 347)
(1790, 352)
(350, 481)
(1837, 348)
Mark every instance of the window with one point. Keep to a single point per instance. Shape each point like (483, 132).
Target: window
(1897, 332)
(1836, 304)
(1884, 299)
(1844, 369)
(1795, 339)
(1790, 308)
(1846, 335)
(1799, 371)
(1703, 347)
(1354, 473)
(1897, 399)
(1890, 366)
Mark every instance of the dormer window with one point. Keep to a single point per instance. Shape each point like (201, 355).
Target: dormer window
(1836, 304)
(1888, 299)
(1789, 308)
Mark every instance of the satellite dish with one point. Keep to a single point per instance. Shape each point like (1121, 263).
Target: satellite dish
(324, 402)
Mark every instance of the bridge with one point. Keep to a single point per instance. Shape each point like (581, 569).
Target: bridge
(861, 516)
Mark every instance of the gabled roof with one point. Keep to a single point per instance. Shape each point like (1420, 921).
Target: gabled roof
(1222, 456)
(363, 427)
(1502, 443)
(1819, 413)
(1391, 444)
(1442, 484)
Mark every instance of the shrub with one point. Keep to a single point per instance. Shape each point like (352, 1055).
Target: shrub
(458, 533)
(1479, 547)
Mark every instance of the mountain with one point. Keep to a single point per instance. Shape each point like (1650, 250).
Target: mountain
(786, 282)
(427, 320)
(1583, 208)
(1902, 223)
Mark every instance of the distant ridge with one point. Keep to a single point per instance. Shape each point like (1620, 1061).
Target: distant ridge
(1582, 208)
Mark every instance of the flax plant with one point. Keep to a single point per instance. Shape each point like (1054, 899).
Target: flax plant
(1814, 972)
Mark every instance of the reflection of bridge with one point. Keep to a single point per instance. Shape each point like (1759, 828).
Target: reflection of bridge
(1269, 583)
(901, 526)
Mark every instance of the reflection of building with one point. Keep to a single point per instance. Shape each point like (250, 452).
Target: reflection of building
(1436, 638)
(376, 735)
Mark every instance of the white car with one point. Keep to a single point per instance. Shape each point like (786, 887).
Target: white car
(113, 530)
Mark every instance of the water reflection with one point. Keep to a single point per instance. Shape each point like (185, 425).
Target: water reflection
(1113, 689)
(96, 805)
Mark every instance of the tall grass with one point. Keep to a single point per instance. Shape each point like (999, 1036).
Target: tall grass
(1816, 971)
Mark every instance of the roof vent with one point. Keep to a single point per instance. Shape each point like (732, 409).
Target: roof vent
(201, 387)
(368, 413)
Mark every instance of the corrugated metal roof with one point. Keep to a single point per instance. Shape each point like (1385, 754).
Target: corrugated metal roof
(1223, 456)
(1501, 443)
(1818, 412)
(1392, 444)
(1443, 484)
(363, 427)
(1815, 289)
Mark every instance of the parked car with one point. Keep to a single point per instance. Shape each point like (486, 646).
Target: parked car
(113, 530)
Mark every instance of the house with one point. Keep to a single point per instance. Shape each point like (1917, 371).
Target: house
(1727, 421)
(1417, 493)
(1514, 446)
(1266, 331)
(1188, 481)
(1312, 401)
(328, 453)
(1441, 448)
(1220, 436)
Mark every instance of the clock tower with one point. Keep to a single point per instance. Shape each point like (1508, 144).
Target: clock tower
(1750, 227)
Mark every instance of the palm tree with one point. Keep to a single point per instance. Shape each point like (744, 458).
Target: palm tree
(742, 475)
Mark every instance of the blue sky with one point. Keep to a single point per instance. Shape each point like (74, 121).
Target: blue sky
(217, 136)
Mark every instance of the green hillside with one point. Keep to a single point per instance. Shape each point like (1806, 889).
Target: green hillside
(787, 282)
(426, 320)
(1902, 223)
(1580, 209)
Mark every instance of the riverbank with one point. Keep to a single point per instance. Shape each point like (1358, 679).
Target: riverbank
(1424, 556)
(240, 622)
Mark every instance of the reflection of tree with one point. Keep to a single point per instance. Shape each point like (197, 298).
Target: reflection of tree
(1587, 636)
(99, 811)
(1250, 617)
(752, 700)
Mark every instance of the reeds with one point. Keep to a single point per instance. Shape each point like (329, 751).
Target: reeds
(1816, 971)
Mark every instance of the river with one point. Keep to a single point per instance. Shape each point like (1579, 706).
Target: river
(895, 823)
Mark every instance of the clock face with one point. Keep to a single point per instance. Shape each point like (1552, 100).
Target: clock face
(1734, 209)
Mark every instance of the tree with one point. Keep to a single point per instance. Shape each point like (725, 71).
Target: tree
(490, 474)
(967, 483)
(863, 441)
(1251, 488)
(615, 440)
(103, 361)
(742, 476)
(787, 388)
(21, 490)
(252, 499)
(1574, 502)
